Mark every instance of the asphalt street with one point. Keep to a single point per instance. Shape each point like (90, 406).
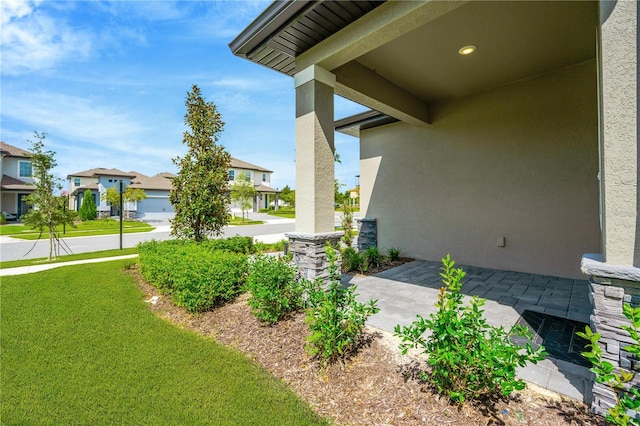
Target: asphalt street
(14, 249)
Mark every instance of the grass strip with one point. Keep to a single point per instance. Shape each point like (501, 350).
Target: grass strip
(285, 213)
(79, 346)
(239, 222)
(68, 258)
(83, 229)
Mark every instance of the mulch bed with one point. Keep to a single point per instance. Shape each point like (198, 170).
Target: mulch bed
(376, 386)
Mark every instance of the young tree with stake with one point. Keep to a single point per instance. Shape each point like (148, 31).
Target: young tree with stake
(48, 210)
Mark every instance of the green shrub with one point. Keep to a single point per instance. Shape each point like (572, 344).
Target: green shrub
(334, 317)
(275, 290)
(469, 359)
(197, 277)
(373, 257)
(351, 260)
(393, 253)
(209, 279)
(235, 244)
(88, 209)
(627, 408)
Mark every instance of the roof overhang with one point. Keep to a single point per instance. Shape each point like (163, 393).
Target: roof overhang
(401, 57)
(354, 124)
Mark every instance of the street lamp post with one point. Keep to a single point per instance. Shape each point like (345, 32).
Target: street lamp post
(121, 211)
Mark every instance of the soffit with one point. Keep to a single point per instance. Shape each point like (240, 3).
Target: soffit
(288, 28)
(514, 40)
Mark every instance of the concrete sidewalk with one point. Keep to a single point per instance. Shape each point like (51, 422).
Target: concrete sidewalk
(21, 270)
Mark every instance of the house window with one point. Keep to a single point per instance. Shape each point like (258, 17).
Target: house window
(264, 177)
(25, 169)
(76, 182)
(232, 174)
(249, 176)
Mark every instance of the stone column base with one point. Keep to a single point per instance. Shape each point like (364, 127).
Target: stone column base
(367, 233)
(308, 252)
(611, 287)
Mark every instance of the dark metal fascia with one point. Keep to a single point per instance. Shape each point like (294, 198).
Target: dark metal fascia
(278, 15)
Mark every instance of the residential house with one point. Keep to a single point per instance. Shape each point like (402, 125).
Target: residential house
(266, 196)
(17, 177)
(156, 206)
(504, 133)
(97, 181)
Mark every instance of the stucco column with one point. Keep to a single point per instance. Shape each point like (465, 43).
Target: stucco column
(314, 151)
(618, 59)
(615, 274)
(315, 217)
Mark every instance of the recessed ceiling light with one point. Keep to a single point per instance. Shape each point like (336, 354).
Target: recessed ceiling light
(467, 50)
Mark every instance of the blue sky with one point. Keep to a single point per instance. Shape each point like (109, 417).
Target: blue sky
(106, 81)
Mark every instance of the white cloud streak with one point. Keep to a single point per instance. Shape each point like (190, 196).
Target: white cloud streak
(32, 41)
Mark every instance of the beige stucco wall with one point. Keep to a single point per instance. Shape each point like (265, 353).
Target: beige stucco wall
(619, 74)
(518, 162)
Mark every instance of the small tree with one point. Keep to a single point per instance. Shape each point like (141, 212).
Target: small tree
(242, 192)
(199, 195)
(347, 224)
(338, 196)
(129, 195)
(48, 209)
(88, 209)
(288, 195)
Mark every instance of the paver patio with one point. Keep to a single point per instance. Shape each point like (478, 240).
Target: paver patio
(412, 288)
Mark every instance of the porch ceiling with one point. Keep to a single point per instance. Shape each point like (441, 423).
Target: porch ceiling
(514, 40)
(397, 57)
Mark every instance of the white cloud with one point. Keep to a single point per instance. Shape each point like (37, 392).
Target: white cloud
(86, 124)
(33, 41)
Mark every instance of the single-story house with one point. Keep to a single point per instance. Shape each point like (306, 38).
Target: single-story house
(17, 179)
(504, 133)
(157, 205)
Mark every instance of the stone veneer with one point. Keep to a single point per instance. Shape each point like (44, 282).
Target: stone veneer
(611, 287)
(367, 233)
(309, 254)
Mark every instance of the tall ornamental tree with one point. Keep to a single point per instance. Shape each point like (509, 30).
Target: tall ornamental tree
(199, 195)
(242, 192)
(48, 210)
(88, 209)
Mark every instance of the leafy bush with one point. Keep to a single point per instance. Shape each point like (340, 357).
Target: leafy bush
(334, 317)
(275, 290)
(197, 277)
(469, 359)
(235, 244)
(393, 253)
(627, 407)
(373, 257)
(351, 260)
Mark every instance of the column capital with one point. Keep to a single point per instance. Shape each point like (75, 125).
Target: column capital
(316, 73)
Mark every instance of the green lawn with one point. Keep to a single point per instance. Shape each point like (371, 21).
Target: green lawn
(286, 213)
(80, 346)
(83, 229)
(239, 222)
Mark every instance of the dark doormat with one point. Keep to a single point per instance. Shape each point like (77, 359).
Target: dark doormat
(558, 335)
